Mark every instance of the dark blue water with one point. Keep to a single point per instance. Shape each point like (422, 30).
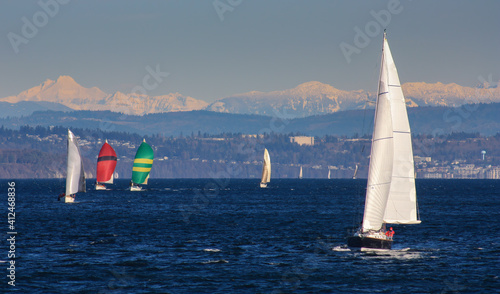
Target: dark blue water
(233, 237)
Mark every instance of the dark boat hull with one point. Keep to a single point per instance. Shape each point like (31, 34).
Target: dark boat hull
(367, 242)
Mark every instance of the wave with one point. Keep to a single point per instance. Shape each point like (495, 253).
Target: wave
(215, 261)
(211, 250)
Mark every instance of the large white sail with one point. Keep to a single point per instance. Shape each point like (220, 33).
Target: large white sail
(401, 205)
(266, 168)
(390, 195)
(75, 177)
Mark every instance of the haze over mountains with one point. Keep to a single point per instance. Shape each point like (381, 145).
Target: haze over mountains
(311, 98)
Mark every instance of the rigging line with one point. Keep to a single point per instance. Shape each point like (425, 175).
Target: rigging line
(384, 138)
(380, 184)
(400, 177)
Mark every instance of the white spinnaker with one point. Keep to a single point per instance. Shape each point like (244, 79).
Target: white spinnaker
(266, 168)
(75, 177)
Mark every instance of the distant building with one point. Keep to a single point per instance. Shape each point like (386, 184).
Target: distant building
(419, 159)
(213, 139)
(252, 136)
(493, 173)
(302, 140)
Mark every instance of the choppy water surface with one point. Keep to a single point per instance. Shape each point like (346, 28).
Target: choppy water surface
(229, 236)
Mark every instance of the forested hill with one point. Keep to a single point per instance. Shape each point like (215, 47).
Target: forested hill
(477, 118)
(41, 153)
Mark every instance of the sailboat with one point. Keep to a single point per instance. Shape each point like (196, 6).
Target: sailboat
(266, 170)
(390, 193)
(75, 176)
(329, 173)
(142, 166)
(355, 172)
(300, 172)
(106, 164)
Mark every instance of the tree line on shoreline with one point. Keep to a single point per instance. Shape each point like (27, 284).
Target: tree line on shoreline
(40, 152)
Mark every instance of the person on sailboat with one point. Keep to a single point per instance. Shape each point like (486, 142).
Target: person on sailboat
(60, 196)
(390, 233)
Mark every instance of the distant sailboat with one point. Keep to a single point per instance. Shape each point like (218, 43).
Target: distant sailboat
(355, 172)
(75, 176)
(266, 170)
(390, 193)
(300, 172)
(328, 173)
(106, 164)
(142, 166)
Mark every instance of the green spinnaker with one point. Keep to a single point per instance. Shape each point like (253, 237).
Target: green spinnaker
(142, 164)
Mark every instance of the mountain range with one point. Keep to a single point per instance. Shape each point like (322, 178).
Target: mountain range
(311, 98)
(66, 91)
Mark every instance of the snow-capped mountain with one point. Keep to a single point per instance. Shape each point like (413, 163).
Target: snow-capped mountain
(311, 98)
(142, 104)
(314, 98)
(306, 99)
(439, 94)
(69, 93)
(64, 91)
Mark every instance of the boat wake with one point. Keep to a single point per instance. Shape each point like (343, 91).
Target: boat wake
(341, 248)
(401, 254)
(211, 250)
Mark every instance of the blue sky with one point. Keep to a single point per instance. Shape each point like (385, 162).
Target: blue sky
(212, 49)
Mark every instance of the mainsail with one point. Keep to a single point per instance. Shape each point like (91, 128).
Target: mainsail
(266, 168)
(75, 177)
(142, 164)
(106, 164)
(390, 194)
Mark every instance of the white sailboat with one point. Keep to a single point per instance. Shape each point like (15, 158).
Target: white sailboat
(390, 193)
(329, 174)
(75, 176)
(355, 172)
(300, 172)
(266, 170)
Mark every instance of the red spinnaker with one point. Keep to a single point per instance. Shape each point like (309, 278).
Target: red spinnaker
(106, 163)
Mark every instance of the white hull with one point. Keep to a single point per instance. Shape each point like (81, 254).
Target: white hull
(100, 187)
(263, 185)
(135, 188)
(68, 199)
